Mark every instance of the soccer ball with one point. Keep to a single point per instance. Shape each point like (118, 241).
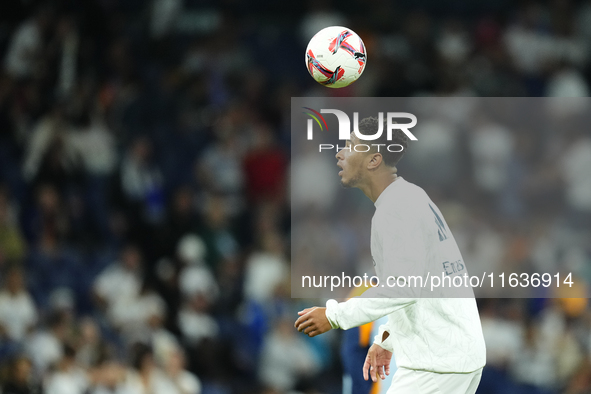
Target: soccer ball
(335, 57)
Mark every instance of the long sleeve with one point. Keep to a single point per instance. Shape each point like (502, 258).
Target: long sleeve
(388, 343)
(358, 311)
(398, 250)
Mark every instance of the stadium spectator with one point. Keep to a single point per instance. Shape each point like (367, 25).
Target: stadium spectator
(141, 182)
(185, 381)
(576, 161)
(25, 52)
(285, 358)
(264, 168)
(12, 243)
(140, 316)
(148, 378)
(195, 323)
(46, 346)
(91, 348)
(265, 269)
(195, 277)
(181, 219)
(121, 280)
(21, 378)
(503, 338)
(217, 232)
(220, 169)
(18, 312)
(67, 377)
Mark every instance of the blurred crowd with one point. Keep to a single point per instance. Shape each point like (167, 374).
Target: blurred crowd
(144, 208)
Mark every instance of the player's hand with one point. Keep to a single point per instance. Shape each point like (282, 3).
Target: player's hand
(377, 363)
(313, 321)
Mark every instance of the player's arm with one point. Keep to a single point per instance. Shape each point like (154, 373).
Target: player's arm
(344, 315)
(403, 254)
(358, 311)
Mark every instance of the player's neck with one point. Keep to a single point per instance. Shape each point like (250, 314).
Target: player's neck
(377, 185)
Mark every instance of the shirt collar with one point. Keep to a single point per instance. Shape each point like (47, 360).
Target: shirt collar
(392, 186)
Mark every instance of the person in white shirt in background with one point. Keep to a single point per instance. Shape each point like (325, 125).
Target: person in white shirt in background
(438, 342)
(17, 309)
(148, 377)
(285, 358)
(265, 269)
(45, 346)
(141, 318)
(199, 290)
(25, 50)
(68, 378)
(121, 280)
(186, 382)
(195, 277)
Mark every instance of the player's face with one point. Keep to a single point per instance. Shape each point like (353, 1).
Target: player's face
(351, 163)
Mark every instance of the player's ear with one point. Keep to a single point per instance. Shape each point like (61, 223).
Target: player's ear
(374, 161)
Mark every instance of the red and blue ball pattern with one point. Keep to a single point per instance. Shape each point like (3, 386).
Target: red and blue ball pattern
(332, 58)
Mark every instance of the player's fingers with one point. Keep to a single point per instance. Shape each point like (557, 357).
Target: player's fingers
(299, 321)
(313, 333)
(304, 311)
(374, 368)
(366, 368)
(387, 368)
(303, 325)
(380, 373)
(310, 328)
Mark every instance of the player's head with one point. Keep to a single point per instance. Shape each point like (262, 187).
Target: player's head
(359, 166)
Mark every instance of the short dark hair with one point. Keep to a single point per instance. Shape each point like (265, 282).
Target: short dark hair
(370, 126)
(139, 353)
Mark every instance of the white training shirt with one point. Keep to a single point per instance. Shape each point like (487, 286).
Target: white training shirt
(427, 331)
